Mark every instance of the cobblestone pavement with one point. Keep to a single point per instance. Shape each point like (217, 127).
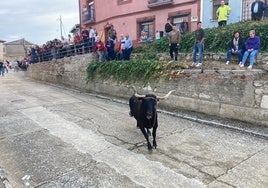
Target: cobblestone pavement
(53, 136)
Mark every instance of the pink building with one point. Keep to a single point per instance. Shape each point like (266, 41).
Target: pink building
(141, 19)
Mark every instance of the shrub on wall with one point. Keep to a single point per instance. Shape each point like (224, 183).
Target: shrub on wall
(136, 70)
(126, 71)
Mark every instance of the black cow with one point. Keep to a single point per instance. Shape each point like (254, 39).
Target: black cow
(143, 108)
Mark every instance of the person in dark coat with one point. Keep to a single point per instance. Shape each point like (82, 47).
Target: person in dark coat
(168, 26)
(110, 49)
(236, 47)
(257, 8)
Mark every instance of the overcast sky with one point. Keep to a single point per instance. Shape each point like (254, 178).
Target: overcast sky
(36, 21)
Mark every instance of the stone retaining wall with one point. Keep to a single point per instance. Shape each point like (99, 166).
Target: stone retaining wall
(234, 94)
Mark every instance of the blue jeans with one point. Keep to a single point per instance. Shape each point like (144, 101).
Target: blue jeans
(251, 55)
(198, 48)
(127, 53)
(239, 53)
(101, 55)
(2, 71)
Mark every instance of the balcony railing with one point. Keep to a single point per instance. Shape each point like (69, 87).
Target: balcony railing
(157, 3)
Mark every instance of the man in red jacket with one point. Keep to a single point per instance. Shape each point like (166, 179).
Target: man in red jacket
(99, 47)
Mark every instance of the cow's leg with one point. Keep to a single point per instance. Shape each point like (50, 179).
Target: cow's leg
(149, 132)
(154, 134)
(146, 137)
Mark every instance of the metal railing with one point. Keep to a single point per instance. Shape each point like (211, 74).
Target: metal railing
(58, 53)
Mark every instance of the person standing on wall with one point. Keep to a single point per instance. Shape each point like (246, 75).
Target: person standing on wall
(257, 8)
(92, 35)
(223, 13)
(100, 49)
(174, 41)
(198, 45)
(265, 12)
(85, 39)
(168, 26)
(110, 49)
(127, 47)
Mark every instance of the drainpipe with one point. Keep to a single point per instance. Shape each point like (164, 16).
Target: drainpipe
(80, 22)
(201, 11)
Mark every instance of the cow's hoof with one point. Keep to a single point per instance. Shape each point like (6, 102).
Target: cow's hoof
(150, 147)
(154, 144)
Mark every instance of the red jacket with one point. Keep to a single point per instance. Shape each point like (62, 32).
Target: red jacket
(77, 39)
(99, 46)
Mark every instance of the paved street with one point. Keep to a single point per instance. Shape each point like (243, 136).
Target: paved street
(52, 136)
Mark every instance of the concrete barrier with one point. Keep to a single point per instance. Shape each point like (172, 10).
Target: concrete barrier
(235, 94)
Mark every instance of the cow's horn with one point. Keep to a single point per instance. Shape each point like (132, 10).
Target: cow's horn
(166, 96)
(139, 96)
(136, 94)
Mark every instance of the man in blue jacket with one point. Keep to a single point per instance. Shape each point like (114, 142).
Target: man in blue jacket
(253, 44)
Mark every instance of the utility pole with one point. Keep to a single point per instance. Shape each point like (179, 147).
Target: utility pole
(60, 20)
(60, 27)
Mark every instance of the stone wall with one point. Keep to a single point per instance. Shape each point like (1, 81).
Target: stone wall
(234, 94)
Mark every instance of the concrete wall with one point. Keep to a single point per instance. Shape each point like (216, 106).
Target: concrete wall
(234, 94)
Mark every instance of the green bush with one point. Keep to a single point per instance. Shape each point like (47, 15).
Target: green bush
(126, 71)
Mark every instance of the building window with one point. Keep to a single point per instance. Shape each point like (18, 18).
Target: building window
(121, 1)
(181, 23)
(216, 5)
(91, 12)
(146, 31)
(159, 1)
(88, 12)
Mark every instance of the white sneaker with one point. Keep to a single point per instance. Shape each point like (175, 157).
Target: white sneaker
(241, 65)
(193, 64)
(227, 62)
(199, 65)
(250, 67)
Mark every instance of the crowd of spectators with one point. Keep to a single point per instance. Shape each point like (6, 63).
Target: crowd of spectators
(85, 42)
